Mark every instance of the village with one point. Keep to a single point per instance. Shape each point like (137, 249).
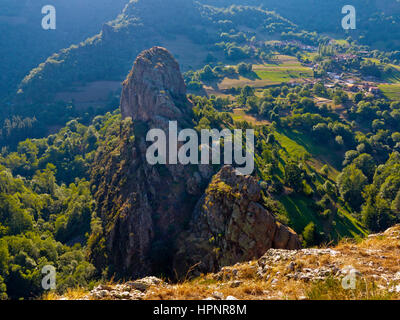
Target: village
(349, 81)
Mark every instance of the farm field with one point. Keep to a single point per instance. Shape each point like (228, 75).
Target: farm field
(284, 69)
(240, 115)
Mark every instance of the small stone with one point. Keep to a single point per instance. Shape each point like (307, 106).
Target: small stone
(139, 286)
(218, 295)
(100, 294)
(105, 287)
(291, 266)
(218, 277)
(145, 283)
(115, 293)
(231, 298)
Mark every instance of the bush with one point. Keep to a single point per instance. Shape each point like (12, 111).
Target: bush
(245, 68)
(309, 235)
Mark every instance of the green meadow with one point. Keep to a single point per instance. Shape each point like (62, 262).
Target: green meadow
(391, 91)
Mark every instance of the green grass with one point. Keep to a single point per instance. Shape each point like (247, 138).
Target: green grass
(285, 69)
(293, 149)
(394, 76)
(334, 158)
(284, 75)
(348, 226)
(391, 91)
(299, 146)
(299, 208)
(332, 289)
(299, 211)
(241, 115)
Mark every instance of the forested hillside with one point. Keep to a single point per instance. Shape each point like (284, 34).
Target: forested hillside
(21, 28)
(377, 20)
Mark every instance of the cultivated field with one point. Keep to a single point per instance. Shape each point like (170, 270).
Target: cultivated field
(240, 115)
(284, 69)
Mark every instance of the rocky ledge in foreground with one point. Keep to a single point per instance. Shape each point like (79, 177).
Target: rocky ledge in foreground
(283, 274)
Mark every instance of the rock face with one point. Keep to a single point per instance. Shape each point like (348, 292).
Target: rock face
(144, 207)
(146, 210)
(155, 89)
(231, 225)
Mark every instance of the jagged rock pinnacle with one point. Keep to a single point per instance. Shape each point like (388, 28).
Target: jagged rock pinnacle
(154, 89)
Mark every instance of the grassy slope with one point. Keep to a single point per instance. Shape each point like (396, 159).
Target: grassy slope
(391, 91)
(299, 208)
(394, 76)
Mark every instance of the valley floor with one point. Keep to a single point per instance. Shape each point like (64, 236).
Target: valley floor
(369, 269)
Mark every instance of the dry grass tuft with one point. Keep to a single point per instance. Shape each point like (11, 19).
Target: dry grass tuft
(70, 294)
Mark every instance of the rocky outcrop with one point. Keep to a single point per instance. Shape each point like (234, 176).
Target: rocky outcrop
(231, 225)
(144, 207)
(155, 90)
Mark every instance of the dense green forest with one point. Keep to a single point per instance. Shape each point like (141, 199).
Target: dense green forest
(47, 207)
